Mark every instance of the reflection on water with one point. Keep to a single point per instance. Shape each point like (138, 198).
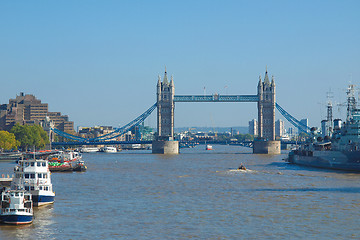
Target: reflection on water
(198, 194)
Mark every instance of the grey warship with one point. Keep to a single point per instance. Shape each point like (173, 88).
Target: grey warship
(340, 150)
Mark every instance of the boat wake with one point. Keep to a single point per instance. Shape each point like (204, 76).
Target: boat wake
(235, 171)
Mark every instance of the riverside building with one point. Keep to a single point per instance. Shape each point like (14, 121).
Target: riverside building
(27, 109)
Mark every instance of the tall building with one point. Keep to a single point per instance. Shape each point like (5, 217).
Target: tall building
(27, 109)
(304, 122)
(279, 128)
(325, 128)
(266, 108)
(253, 127)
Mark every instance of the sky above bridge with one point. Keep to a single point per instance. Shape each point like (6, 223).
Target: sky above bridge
(98, 61)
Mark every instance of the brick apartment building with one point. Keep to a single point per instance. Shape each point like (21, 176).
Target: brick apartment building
(27, 109)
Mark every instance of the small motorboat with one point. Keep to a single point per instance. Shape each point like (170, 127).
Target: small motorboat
(241, 167)
(79, 166)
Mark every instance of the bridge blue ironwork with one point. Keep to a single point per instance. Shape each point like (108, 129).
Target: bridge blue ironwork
(104, 140)
(99, 143)
(292, 120)
(78, 143)
(216, 98)
(118, 132)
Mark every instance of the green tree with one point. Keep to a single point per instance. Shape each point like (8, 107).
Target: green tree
(8, 141)
(30, 135)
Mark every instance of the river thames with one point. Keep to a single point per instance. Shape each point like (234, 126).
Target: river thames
(197, 194)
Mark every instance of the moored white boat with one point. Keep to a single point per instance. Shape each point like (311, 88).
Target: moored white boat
(109, 149)
(34, 176)
(16, 207)
(10, 156)
(89, 149)
(209, 147)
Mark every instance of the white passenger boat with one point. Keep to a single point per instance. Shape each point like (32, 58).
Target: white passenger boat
(89, 149)
(209, 147)
(109, 149)
(16, 207)
(34, 176)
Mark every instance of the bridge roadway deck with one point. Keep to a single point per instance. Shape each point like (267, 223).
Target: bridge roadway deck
(216, 98)
(150, 142)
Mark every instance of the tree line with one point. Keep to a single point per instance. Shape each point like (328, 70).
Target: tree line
(24, 137)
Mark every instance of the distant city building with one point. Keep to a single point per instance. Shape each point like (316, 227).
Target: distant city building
(279, 128)
(337, 124)
(324, 128)
(291, 132)
(253, 127)
(304, 122)
(98, 131)
(27, 109)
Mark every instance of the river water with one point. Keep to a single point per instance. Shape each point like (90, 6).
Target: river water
(197, 194)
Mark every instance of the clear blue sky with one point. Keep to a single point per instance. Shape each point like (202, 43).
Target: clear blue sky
(98, 61)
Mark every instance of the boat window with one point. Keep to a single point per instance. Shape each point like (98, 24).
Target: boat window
(27, 188)
(39, 175)
(32, 188)
(44, 175)
(44, 164)
(12, 210)
(46, 188)
(26, 175)
(32, 164)
(27, 164)
(32, 175)
(40, 188)
(16, 194)
(39, 164)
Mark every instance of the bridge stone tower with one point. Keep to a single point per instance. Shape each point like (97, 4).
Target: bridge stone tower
(164, 143)
(165, 108)
(266, 108)
(266, 118)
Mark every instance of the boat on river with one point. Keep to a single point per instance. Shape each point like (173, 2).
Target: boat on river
(340, 151)
(77, 166)
(33, 175)
(209, 147)
(66, 161)
(10, 156)
(109, 149)
(16, 207)
(89, 149)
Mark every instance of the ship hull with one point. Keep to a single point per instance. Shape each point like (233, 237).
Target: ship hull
(40, 200)
(16, 219)
(347, 161)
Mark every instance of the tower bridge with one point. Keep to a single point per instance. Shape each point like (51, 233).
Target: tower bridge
(166, 100)
(165, 104)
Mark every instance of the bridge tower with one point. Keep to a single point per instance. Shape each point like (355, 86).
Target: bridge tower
(164, 143)
(266, 117)
(266, 108)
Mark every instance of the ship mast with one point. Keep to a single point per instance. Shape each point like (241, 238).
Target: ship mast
(351, 102)
(329, 113)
